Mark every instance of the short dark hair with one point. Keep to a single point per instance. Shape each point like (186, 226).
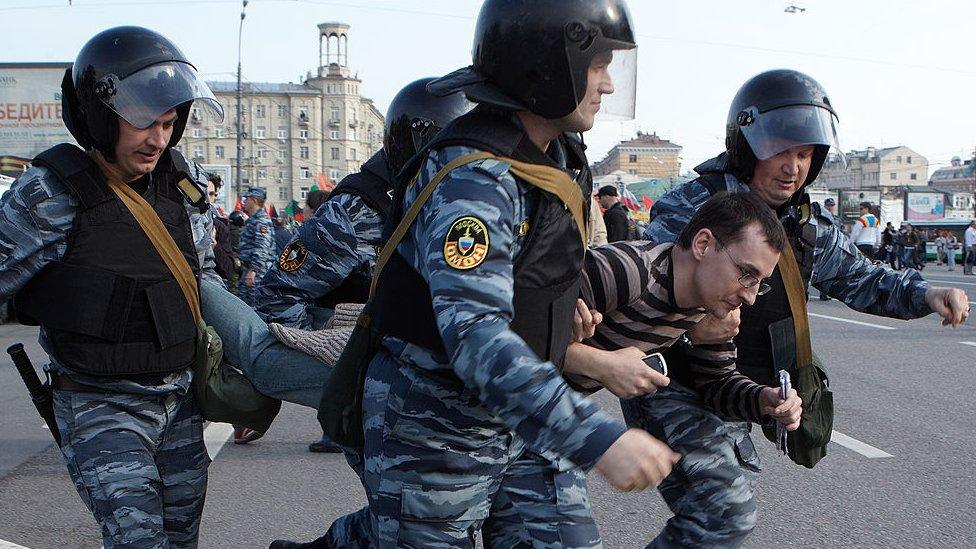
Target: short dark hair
(216, 180)
(315, 198)
(867, 205)
(727, 215)
(608, 190)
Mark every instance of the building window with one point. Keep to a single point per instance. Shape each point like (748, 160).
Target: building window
(899, 160)
(196, 133)
(335, 153)
(352, 154)
(914, 177)
(282, 111)
(908, 159)
(304, 192)
(196, 113)
(262, 173)
(303, 152)
(633, 159)
(334, 134)
(281, 155)
(303, 114)
(282, 134)
(282, 193)
(893, 176)
(259, 111)
(303, 134)
(333, 174)
(335, 114)
(281, 175)
(219, 151)
(198, 151)
(351, 134)
(219, 133)
(262, 153)
(259, 133)
(305, 173)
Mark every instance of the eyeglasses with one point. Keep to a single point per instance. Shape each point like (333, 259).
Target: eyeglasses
(747, 280)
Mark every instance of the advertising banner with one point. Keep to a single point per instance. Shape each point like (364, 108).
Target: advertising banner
(924, 206)
(850, 202)
(30, 108)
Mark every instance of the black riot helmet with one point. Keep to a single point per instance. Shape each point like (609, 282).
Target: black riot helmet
(534, 55)
(775, 111)
(415, 116)
(132, 73)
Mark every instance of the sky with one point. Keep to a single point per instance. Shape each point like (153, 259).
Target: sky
(898, 72)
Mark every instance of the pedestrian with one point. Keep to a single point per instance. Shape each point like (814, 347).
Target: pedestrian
(119, 321)
(969, 248)
(866, 231)
(487, 418)
(830, 212)
(282, 235)
(776, 167)
(952, 244)
(940, 247)
(909, 250)
(598, 229)
(223, 248)
(614, 215)
(256, 250)
(887, 252)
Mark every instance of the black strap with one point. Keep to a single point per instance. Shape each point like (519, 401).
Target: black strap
(78, 172)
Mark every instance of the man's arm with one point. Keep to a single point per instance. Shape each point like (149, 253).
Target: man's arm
(473, 308)
(616, 221)
(35, 216)
(673, 211)
(623, 372)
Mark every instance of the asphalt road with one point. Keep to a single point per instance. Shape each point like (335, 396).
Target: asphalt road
(904, 391)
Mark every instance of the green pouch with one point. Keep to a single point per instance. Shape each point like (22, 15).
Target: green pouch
(808, 444)
(341, 407)
(222, 392)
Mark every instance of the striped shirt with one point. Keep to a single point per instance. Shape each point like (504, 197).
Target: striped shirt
(631, 284)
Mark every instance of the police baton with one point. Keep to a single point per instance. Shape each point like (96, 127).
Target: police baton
(39, 392)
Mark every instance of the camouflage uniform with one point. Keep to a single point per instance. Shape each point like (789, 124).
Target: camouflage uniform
(712, 489)
(340, 242)
(490, 423)
(256, 252)
(135, 452)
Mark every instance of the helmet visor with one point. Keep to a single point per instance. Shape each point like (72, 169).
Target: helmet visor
(775, 131)
(141, 98)
(620, 105)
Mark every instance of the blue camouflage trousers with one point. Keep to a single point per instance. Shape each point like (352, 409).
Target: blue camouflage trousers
(711, 491)
(138, 462)
(437, 462)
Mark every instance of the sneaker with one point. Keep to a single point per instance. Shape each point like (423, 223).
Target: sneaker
(321, 447)
(243, 435)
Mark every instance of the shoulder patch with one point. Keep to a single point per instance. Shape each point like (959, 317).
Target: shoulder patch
(263, 229)
(292, 257)
(466, 243)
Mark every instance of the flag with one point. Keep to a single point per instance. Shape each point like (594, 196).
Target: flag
(629, 200)
(238, 207)
(272, 211)
(324, 183)
(648, 203)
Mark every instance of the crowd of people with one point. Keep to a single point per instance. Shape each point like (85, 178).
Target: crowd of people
(448, 309)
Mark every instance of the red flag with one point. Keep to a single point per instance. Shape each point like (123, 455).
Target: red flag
(299, 217)
(648, 203)
(272, 211)
(325, 183)
(238, 207)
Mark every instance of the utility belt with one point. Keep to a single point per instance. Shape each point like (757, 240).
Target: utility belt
(61, 382)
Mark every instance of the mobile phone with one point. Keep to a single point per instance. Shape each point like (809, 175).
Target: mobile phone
(657, 363)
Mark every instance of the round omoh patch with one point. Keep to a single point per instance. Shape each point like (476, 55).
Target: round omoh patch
(466, 244)
(292, 257)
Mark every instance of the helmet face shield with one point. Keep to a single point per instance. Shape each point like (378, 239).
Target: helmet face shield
(613, 63)
(143, 97)
(775, 131)
(622, 71)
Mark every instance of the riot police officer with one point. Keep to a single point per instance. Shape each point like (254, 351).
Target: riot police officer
(119, 329)
(256, 249)
(476, 304)
(780, 129)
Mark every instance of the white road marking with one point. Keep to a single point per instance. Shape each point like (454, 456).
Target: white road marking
(7, 545)
(970, 343)
(215, 436)
(865, 450)
(951, 281)
(858, 322)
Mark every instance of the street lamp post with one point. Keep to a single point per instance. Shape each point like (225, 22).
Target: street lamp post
(240, 107)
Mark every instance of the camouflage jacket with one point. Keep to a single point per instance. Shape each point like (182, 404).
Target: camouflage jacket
(473, 308)
(839, 269)
(35, 217)
(339, 242)
(256, 249)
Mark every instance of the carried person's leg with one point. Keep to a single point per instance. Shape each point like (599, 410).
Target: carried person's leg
(275, 369)
(711, 491)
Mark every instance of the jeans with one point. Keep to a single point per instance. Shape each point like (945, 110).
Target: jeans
(951, 258)
(275, 370)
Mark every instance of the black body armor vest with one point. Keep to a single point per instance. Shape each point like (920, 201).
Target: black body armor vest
(547, 270)
(373, 184)
(110, 306)
(754, 344)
